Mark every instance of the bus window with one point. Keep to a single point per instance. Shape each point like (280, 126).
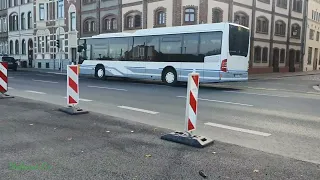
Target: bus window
(153, 48)
(171, 48)
(210, 43)
(238, 41)
(118, 49)
(190, 48)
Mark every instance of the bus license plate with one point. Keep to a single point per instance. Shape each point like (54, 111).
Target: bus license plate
(237, 75)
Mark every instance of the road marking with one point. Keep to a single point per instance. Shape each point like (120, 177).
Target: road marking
(10, 88)
(99, 87)
(139, 110)
(44, 75)
(36, 92)
(226, 102)
(85, 100)
(53, 82)
(238, 129)
(258, 94)
(11, 77)
(57, 73)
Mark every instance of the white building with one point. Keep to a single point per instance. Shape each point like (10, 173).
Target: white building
(20, 34)
(55, 19)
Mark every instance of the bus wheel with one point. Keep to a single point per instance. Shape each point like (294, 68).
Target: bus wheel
(100, 72)
(169, 76)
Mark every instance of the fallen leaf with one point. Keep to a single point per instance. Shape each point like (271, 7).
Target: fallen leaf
(31, 124)
(256, 170)
(213, 152)
(148, 155)
(69, 139)
(202, 174)
(107, 131)
(132, 131)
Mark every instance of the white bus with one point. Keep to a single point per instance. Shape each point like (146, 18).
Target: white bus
(219, 52)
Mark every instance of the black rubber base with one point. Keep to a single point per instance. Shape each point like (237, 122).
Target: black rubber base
(73, 110)
(185, 138)
(5, 96)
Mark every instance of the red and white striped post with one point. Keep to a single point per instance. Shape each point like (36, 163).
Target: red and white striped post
(73, 91)
(192, 102)
(3, 77)
(73, 85)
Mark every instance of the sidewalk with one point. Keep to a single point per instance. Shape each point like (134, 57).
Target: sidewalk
(95, 146)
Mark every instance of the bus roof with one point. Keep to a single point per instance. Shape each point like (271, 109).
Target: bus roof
(169, 30)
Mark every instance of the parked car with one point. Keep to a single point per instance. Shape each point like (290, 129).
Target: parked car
(12, 63)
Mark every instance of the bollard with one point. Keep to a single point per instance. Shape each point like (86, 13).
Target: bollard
(4, 80)
(73, 92)
(186, 137)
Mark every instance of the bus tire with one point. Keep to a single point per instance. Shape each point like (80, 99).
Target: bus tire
(100, 72)
(169, 76)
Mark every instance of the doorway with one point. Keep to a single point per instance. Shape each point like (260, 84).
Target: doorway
(30, 52)
(275, 60)
(291, 60)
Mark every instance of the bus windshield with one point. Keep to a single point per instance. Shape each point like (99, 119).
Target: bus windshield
(238, 41)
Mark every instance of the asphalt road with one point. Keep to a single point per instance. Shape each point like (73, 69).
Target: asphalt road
(95, 146)
(278, 116)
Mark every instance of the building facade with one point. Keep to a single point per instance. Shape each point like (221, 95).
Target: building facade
(276, 25)
(20, 29)
(55, 20)
(3, 27)
(312, 55)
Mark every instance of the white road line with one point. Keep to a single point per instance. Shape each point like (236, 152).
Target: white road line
(10, 88)
(136, 109)
(99, 87)
(226, 102)
(258, 94)
(238, 129)
(44, 75)
(36, 92)
(53, 82)
(10, 77)
(57, 73)
(85, 100)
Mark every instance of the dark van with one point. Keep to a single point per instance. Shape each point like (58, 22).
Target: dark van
(12, 63)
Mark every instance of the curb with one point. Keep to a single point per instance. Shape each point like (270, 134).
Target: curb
(291, 75)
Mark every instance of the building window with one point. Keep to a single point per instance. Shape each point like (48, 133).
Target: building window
(13, 22)
(160, 17)
(241, 18)
(133, 20)
(41, 12)
(217, 15)
(23, 47)
(262, 25)
(190, 15)
(297, 6)
(257, 54)
(295, 31)
(73, 21)
(114, 24)
(311, 34)
(23, 21)
(109, 23)
(265, 55)
(280, 28)
(22, 2)
(29, 20)
(282, 3)
(89, 26)
(309, 55)
(11, 47)
(282, 55)
(5, 24)
(15, 2)
(17, 47)
(297, 56)
(60, 9)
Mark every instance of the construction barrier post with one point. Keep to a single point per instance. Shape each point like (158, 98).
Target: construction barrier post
(4, 80)
(73, 91)
(190, 118)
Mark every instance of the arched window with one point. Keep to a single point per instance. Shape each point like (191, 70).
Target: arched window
(241, 18)
(15, 2)
(89, 25)
(280, 28)
(282, 3)
(22, 2)
(217, 15)
(297, 6)
(11, 47)
(23, 21)
(16, 47)
(29, 20)
(23, 47)
(13, 22)
(109, 23)
(189, 15)
(92, 26)
(262, 25)
(257, 54)
(133, 20)
(161, 18)
(295, 31)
